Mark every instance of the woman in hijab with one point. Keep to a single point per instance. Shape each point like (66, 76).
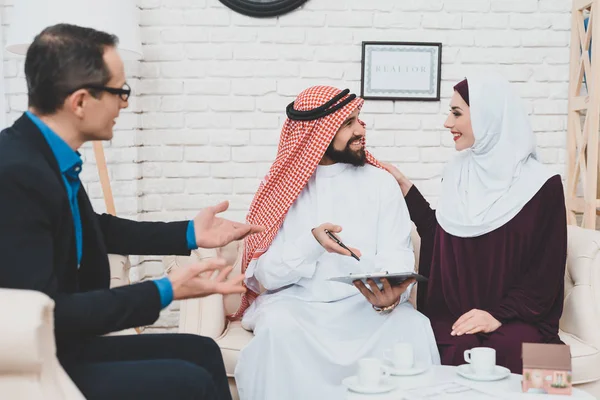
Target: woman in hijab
(495, 248)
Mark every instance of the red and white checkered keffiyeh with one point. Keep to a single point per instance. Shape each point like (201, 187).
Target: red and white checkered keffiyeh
(301, 147)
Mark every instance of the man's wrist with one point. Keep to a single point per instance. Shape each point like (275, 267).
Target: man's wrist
(315, 236)
(309, 247)
(165, 290)
(190, 236)
(387, 309)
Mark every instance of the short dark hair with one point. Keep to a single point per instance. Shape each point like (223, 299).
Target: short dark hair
(64, 58)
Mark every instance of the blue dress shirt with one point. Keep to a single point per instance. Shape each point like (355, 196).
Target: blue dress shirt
(69, 164)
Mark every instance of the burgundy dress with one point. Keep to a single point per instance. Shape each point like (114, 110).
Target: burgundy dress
(516, 273)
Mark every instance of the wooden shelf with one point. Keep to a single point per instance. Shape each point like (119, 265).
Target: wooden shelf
(582, 191)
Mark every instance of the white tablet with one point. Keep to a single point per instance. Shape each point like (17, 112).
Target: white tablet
(394, 278)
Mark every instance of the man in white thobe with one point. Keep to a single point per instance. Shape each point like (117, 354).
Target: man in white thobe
(310, 331)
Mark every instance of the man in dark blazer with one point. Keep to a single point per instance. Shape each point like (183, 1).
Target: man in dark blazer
(51, 240)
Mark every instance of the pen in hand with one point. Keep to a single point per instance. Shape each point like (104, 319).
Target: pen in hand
(341, 244)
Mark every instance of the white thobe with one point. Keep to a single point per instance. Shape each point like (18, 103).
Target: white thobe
(310, 332)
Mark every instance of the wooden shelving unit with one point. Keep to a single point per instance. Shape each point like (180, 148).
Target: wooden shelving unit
(582, 194)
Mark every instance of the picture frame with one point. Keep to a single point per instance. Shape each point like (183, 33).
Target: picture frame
(401, 71)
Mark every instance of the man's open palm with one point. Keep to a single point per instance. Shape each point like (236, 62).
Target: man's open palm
(195, 280)
(212, 231)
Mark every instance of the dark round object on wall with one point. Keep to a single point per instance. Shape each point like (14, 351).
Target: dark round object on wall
(263, 8)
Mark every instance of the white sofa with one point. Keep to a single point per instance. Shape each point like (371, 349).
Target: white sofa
(579, 325)
(29, 369)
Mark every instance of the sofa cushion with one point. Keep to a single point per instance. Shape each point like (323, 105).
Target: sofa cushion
(584, 359)
(234, 339)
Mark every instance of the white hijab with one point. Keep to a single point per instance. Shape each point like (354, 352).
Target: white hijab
(485, 186)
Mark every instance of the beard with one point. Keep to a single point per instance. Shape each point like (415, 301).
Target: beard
(357, 158)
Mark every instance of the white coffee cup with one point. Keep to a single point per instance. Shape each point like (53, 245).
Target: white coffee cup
(482, 359)
(371, 371)
(401, 355)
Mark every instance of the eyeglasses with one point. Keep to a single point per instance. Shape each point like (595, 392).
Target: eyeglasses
(123, 93)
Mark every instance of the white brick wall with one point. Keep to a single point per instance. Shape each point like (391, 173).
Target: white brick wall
(211, 92)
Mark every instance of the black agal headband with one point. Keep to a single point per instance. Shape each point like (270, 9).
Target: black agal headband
(321, 111)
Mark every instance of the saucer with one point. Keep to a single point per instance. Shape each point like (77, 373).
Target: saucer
(386, 385)
(414, 370)
(499, 373)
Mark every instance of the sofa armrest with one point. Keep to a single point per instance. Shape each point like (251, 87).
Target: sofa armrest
(203, 316)
(119, 270)
(27, 332)
(29, 368)
(119, 276)
(581, 313)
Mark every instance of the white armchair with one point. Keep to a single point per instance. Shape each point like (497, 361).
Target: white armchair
(29, 368)
(207, 316)
(579, 325)
(580, 322)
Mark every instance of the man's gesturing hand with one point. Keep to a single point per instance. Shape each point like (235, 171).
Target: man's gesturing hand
(188, 282)
(213, 231)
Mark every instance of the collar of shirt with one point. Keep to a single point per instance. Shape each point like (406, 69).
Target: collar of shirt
(69, 160)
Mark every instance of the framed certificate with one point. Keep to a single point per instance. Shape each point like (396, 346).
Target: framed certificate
(401, 71)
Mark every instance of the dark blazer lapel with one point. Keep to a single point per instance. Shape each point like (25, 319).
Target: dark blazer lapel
(32, 135)
(94, 272)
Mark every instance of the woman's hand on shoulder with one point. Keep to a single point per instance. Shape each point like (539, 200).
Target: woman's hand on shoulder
(403, 181)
